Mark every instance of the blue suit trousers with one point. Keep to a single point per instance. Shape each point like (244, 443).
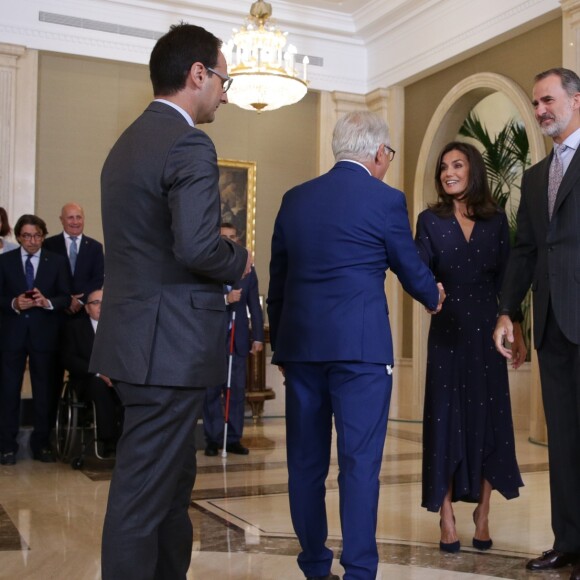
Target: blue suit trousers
(358, 395)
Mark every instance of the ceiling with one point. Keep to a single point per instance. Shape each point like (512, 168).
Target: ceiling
(354, 46)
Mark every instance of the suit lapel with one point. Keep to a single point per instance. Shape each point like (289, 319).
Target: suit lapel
(43, 267)
(84, 245)
(570, 178)
(540, 190)
(19, 267)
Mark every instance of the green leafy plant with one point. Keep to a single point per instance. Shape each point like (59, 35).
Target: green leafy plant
(506, 156)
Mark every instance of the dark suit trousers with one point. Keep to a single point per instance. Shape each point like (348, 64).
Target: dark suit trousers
(560, 374)
(358, 394)
(42, 378)
(147, 532)
(213, 409)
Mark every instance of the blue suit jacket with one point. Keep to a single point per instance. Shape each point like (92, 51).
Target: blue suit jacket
(334, 238)
(36, 327)
(250, 298)
(90, 265)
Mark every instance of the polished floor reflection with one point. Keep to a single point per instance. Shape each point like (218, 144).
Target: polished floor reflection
(51, 517)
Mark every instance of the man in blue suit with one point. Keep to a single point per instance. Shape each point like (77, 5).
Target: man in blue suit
(34, 290)
(241, 298)
(85, 255)
(334, 238)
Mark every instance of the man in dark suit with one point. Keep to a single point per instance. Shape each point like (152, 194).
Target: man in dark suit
(162, 332)
(34, 290)
(240, 298)
(84, 254)
(79, 336)
(334, 238)
(546, 257)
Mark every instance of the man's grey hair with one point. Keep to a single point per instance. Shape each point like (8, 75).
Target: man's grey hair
(358, 136)
(568, 78)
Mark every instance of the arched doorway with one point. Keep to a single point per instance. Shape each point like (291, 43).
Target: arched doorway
(444, 127)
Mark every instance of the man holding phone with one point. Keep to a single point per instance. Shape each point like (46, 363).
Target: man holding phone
(34, 289)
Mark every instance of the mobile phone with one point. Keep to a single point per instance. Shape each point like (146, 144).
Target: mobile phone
(29, 294)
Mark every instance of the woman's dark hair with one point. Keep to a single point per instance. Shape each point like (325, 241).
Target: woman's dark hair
(176, 51)
(30, 220)
(478, 199)
(5, 228)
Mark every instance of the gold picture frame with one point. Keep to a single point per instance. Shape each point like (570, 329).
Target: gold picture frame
(238, 198)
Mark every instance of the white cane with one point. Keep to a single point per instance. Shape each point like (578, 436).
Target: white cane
(229, 383)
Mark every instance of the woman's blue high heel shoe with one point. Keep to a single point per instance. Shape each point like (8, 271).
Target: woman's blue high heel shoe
(451, 547)
(481, 544)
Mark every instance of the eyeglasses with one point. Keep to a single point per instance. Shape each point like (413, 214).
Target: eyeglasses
(29, 237)
(226, 80)
(389, 152)
(95, 302)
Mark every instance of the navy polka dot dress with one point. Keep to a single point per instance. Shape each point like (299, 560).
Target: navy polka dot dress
(467, 422)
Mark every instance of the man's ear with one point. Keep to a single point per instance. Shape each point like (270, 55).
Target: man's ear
(197, 74)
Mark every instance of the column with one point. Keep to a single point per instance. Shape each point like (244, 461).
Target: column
(18, 105)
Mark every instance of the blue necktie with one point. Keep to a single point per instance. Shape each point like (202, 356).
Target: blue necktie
(73, 252)
(29, 272)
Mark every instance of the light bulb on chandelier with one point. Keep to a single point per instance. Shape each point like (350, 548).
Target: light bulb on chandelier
(264, 73)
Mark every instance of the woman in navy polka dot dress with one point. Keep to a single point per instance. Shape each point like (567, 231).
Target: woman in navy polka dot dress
(468, 439)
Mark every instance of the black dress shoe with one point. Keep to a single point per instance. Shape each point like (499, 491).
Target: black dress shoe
(552, 559)
(575, 573)
(327, 577)
(211, 449)
(238, 449)
(45, 455)
(8, 458)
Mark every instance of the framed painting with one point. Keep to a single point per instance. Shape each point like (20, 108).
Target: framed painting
(238, 198)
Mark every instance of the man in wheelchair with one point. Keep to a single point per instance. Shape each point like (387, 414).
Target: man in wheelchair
(78, 341)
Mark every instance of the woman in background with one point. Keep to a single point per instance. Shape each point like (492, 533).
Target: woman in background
(5, 230)
(468, 439)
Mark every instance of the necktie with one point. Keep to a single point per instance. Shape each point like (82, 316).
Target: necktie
(73, 252)
(555, 177)
(29, 273)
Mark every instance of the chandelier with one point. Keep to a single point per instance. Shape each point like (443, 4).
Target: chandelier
(264, 73)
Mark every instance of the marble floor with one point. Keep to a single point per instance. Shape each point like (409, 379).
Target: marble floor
(51, 517)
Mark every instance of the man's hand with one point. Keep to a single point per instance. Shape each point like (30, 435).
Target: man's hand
(442, 297)
(519, 349)
(37, 300)
(106, 380)
(504, 330)
(256, 347)
(23, 303)
(75, 304)
(234, 296)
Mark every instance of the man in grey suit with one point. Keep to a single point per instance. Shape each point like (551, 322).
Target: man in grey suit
(161, 336)
(546, 257)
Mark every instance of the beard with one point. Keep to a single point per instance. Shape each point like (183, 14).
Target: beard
(559, 125)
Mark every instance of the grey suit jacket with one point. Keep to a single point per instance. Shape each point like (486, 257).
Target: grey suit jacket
(546, 254)
(163, 314)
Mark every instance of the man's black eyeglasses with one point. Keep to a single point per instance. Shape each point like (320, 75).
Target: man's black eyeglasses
(226, 80)
(389, 152)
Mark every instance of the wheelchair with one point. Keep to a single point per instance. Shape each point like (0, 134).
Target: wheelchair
(76, 428)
